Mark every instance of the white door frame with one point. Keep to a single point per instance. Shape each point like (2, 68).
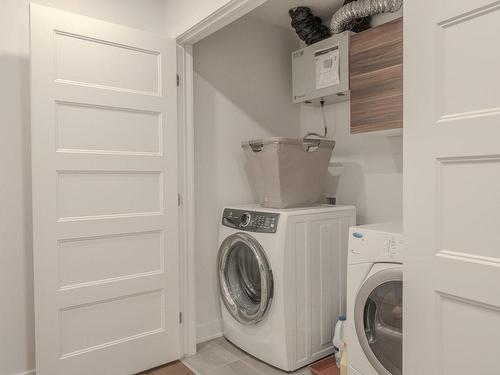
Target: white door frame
(223, 16)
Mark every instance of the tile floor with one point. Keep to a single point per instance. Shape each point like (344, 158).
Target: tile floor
(220, 357)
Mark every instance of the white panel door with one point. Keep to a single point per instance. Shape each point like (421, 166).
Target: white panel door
(104, 146)
(452, 187)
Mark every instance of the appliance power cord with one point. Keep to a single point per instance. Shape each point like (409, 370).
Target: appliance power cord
(325, 125)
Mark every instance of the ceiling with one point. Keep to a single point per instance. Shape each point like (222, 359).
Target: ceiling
(276, 11)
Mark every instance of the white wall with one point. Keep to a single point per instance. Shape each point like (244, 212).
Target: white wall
(183, 14)
(16, 268)
(372, 177)
(242, 91)
(16, 280)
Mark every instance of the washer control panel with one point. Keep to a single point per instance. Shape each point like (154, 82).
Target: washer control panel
(251, 221)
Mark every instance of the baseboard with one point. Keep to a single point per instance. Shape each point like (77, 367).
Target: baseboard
(208, 331)
(30, 372)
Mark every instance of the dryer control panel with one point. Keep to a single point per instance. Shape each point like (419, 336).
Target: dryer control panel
(250, 221)
(376, 243)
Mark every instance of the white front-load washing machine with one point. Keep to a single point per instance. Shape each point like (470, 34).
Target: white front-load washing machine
(373, 329)
(282, 277)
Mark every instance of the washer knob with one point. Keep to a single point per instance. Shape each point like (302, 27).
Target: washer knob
(245, 219)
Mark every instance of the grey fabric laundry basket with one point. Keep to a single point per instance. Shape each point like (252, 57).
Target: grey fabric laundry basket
(288, 172)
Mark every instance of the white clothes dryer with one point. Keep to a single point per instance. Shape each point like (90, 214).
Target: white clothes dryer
(282, 277)
(373, 329)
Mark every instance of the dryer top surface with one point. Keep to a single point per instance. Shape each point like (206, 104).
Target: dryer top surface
(392, 227)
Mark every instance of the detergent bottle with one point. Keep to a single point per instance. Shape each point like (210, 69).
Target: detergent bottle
(338, 339)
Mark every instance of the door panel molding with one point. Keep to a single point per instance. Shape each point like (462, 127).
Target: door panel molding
(105, 214)
(452, 186)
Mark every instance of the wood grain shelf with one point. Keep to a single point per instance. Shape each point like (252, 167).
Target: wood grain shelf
(376, 78)
(174, 368)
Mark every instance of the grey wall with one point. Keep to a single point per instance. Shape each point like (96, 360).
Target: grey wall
(242, 91)
(372, 174)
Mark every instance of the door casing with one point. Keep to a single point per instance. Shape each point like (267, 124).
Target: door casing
(222, 17)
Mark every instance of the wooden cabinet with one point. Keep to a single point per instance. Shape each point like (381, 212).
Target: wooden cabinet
(376, 78)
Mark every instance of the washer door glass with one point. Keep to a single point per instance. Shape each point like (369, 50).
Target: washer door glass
(379, 320)
(245, 278)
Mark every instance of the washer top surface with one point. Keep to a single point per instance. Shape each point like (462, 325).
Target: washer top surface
(314, 209)
(257, 219)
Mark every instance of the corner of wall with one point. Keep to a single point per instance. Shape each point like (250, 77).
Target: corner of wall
(208, 331)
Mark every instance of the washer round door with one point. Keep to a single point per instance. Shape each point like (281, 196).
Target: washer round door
(378, 317)
(245, 278)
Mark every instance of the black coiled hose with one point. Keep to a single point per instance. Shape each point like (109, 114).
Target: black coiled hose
(308, 27)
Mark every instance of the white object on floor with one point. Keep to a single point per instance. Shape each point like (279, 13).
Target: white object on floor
(281, 269)
(373, 329)
(338, 339)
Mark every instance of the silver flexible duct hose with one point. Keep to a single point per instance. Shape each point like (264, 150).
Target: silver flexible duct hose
(360, 9)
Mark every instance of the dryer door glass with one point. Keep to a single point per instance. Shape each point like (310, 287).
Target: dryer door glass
(379, 320)
(245, 278)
